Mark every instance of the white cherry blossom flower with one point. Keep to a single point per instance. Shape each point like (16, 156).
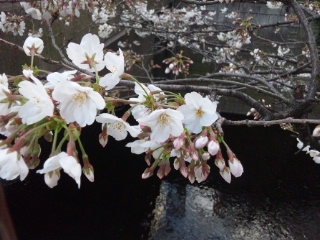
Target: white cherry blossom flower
(4, 80)
(5, 105)
(163, 123)
(76, 103)
(142, 145)
(39, 104)
(52, 178)
(55, 78)
(88, 54)
(33, 45)
(115, 64)
(52, 166)
(33, 12)
(139, 146)
(198, 112)
(116, 127)
(140, 110)
(12, 165)
(27, 73)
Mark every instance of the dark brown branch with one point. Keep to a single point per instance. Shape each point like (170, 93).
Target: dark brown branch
(209, 80)
(47, 60)
(265, 113)
(271, 122)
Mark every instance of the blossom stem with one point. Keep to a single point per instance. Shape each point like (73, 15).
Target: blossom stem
(83, 152)
(55, 139)
(32, 57)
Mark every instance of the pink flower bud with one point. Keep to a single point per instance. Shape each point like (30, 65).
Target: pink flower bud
(178, 143)
(184, 171)
(220, 163)
(206, 156)
(191, 177)
(226, 175)
(201, 142)
(88, 172)
(160, 172)
(176, 164)
(201, 172)
(236, 167)
(195, 156)
(213, 147)
(147, 173)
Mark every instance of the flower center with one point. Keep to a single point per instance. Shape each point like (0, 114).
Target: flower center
(118, 126)
(199, 112)
(80, 97)
(163, 119)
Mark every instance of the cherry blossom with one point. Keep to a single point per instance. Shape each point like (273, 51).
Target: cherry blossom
(53, 165)
(4, 80)
(115, 64)
(39, 104)
(163, 123)
(5, 104)
(76, 103)
(33, 45)
(33, 12)
(198, 112)
(55, 78)
(88, 54)
(144, 94)
(116, 127)
(12, 165)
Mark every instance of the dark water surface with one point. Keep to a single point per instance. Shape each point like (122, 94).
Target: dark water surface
(278, 196)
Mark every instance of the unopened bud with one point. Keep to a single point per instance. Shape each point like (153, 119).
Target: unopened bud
(236, 167)
(213, 147)
(226, 175)
(201, 142)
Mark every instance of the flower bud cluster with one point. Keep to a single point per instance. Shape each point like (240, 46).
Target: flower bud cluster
(12, 23)
(178, 64)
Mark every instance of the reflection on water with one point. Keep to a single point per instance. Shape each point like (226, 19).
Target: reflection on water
(200, 212)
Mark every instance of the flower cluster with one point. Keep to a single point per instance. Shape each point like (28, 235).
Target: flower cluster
(12, 23)
(169, 126)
